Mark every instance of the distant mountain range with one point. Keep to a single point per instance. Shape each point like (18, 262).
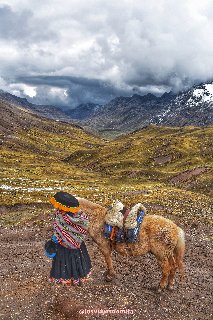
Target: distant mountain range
(126, 114)
(82, 112)
(47, 111)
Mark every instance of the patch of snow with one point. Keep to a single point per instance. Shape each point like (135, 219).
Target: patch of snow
(34, 189)
(205, 94)
(209, 87)
(10, 188)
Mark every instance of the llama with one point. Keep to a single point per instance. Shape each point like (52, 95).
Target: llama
(158, 235)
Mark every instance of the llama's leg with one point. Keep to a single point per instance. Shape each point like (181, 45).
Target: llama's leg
(110, 273)
(179, 255)
(106, 250)
(181, 268)
(179, 252)
(165, 268)
(173, 268)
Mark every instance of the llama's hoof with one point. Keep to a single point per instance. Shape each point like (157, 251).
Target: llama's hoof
(108, 277)
(160, 289)
(170, 287)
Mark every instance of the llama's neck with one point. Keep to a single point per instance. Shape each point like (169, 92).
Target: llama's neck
(91, 208)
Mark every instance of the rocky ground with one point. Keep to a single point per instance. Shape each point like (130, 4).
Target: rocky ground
(26, 293)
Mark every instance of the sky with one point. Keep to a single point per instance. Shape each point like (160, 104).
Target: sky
(76, 51)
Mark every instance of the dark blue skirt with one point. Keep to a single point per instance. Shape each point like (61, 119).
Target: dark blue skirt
(70, 266)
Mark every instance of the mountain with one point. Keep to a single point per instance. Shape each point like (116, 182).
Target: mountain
(83, 111)
(191, 107)
(21, 130)
(126, 114)
(46, 111)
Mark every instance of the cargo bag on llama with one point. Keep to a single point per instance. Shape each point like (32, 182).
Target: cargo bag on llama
(123, 225)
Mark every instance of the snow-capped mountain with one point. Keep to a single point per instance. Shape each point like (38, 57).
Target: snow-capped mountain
(194, 106)
(124, 114)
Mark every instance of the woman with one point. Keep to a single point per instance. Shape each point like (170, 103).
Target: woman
(71, 264)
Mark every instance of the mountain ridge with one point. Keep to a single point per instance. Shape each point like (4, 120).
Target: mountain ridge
(127, 114)
(47, 111)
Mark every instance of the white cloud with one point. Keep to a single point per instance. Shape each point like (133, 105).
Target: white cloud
(30, 91)
(19, 89)
(141, 45)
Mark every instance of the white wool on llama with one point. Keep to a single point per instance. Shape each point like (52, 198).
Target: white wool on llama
(131, 220)
(114, 216)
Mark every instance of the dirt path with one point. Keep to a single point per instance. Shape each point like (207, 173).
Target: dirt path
(188, 175)
(26, 294)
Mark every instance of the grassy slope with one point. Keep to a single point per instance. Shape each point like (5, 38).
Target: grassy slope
(32, 154)
(39, 160)
(134, 157)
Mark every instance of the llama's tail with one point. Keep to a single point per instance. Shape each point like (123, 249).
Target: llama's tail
(179, 252)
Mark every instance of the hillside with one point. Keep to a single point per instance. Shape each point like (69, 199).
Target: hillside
(47, 111)
(156, 154)
(32, 148)
(81, 112)
(40, 156)
(126, 114)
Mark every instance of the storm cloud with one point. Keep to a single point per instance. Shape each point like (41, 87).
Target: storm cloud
(70, 52)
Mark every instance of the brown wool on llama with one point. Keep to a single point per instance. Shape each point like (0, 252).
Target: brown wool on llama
(158, 235)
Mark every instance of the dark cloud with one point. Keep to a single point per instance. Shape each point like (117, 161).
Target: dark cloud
(74, 91)
(13, 25)
(78, 51)
(23, 27)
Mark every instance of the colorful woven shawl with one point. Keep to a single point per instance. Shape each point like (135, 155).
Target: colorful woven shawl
(71, 229)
